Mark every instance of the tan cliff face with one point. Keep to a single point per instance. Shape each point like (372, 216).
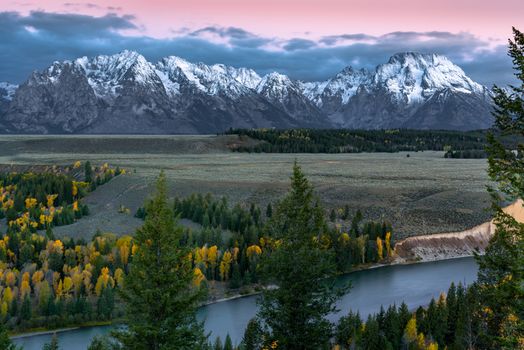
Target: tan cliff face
(454, 244)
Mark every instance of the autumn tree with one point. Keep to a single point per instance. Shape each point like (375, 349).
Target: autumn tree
(294, 313)
(158, 292)
(501, 273)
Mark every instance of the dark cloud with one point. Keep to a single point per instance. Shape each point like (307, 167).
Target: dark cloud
(298, 44)
(35, 40)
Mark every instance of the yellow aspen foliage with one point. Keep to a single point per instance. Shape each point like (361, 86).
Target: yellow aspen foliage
(225, 266)
(74, 190)
(25, 276)
(380, 249)
(78, 279)
(421, 341)
(75, 205)
(410, 333)
(432, 346)
(3, 309)
(7, 296)
(124, 254)
(51, 200)
(388, 243)
(59, 289)
(253, 250)
(25, 288)
(212, 255)
(37, 277)
(119, 277)
(198, 277)
(236, 250)
(30, 202)
(87, 280)
(77, 164)
(344, 238)
(56, 280)
(200, 255)
(67, 285)
(10, 279)
(103, 281)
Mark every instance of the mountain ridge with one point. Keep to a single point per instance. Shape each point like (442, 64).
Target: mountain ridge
(125, 93)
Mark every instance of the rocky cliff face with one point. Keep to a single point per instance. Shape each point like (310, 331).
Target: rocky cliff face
(124, 93)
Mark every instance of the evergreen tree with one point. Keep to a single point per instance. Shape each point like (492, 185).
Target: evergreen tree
(501, 273)
(228, 343)
(158, 291)
(53, 345)
(252, 336)
(294, 314)
(269, 211)
(332, 215)
(88, 172)
(25, 310)
(5, 342)
(218, 344)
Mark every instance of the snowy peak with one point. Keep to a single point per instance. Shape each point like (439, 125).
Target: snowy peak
(7, 90)
(276, 86)
(245, 76)
(415, 76)
(108, 74)
(124, 91)
(216, 79)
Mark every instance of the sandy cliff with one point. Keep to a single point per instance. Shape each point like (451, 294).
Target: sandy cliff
(453, 244)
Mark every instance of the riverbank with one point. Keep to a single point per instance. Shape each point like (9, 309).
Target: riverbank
(444, 246)
(32, 332)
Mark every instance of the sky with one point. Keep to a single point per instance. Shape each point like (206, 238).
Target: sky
(306, 39)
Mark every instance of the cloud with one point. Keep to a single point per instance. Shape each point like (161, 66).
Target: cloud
(35, 40)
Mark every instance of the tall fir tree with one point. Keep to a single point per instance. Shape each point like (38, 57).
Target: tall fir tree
(158, 292)
(294, 313)
(501, 273)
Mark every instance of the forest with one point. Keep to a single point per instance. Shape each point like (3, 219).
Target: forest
(357, 141)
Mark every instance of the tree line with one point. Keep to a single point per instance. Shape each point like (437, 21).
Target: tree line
(356, 141)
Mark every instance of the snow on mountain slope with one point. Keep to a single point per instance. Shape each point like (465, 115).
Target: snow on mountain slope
(7, 90)
(415, 77)
(175, 95)
(216, 79)
(107, 74)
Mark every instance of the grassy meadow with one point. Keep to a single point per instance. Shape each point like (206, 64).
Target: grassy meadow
(420, 194)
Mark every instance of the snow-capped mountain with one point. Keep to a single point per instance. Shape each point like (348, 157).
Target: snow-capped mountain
(124, 93)
(403, 92)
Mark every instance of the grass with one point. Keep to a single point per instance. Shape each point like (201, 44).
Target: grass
(420, 194)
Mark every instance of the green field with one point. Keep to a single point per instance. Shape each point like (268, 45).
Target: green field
(420, 194)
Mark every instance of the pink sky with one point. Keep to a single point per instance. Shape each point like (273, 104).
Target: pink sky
(303, 18)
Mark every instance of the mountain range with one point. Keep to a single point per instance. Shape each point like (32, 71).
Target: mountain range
(124, 93)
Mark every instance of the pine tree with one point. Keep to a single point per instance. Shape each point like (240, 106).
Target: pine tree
(501, 276)
(252, 336)
(88, 171)
(332, 215)
(25, 310)
(53, 345)
(5, 342)
(228, 343)
(158, 291)
(269, 211)
(294, 314)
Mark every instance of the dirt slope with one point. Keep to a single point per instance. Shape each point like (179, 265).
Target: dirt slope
(454, 244)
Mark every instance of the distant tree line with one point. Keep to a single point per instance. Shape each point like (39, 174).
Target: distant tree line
(356, 141)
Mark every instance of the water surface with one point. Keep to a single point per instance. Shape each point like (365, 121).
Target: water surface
(413, 284)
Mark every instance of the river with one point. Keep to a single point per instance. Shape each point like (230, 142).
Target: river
(414, 284)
